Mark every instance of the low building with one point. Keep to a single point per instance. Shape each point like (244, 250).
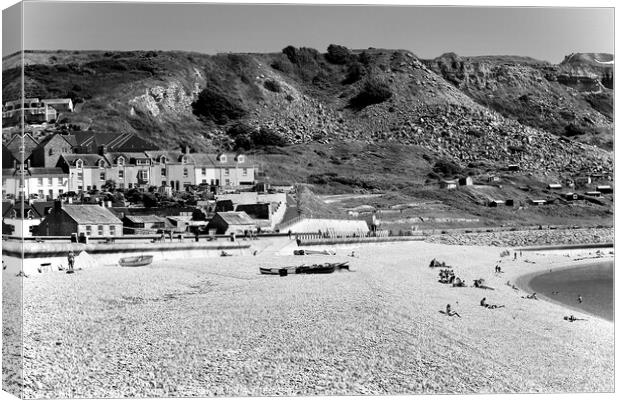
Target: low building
(143, 224)
(538, 202)
(554, 186)
(571, 196)
(514, 167)
(88, 220)
(231, 222)
(594, 193)
(24, 226)
(448, 184)
(496, 203)
(604, 189)
(466, 181)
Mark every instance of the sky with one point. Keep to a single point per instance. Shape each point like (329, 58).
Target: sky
(543, 33)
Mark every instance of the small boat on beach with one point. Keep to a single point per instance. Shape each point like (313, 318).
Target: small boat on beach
(138, 261)
(326, 268)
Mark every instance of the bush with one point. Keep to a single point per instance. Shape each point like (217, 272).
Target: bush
(267, 137)
(573, 130)
(214, 105)
(283, 65)
(355, 72)
(446, 168)
(373, 92)
(273, 86)
(337, 54)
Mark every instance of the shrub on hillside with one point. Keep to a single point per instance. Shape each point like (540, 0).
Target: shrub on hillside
(446, 168)
(267, 137)
(273, 86)
(355, 72)
(337, 54)
(214, 105)
(374, 91)
(283, 64)
(573, 130)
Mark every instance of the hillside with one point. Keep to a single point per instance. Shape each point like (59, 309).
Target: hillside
(361, 120)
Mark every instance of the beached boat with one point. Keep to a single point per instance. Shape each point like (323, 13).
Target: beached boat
(138, 261)
(326, 268)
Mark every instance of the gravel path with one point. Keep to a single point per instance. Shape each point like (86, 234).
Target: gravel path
(217, 327)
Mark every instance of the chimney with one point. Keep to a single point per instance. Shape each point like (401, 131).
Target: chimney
(28, 164)
(70, 200)
(58, 205)
(108, 204)
(186, 149)
(15, 164)
(103, 149)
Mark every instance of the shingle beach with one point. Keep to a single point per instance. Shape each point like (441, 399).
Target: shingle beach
(215, 326)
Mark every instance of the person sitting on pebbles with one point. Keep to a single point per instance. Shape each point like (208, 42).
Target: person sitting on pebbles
(458, 282)
(484, 303)
(450, 312)
(530, 296)
(573, 319)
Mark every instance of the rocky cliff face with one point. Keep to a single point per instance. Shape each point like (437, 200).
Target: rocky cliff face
(497, 110)
(587, 71)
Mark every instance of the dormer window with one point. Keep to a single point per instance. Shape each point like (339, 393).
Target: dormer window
(184, 160)
(162, 159)
(223, 158)
(240, 158)
(120, 160)
(79, 163)
(101, 164)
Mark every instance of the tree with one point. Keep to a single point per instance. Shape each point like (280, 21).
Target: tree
(109, 185)
(215, 105)
(267, 137)
(337, 54)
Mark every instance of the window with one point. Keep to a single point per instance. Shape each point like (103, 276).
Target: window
(245, 172)
(79, 164)
(101, 163)
(88, 187)
(102, 176)
(94, 187)
(142, 162)
(130, 185)
(112, 230)
(50, 194)
(40, 181)
(185, 173)
(89, 230)
(40, 193)
(227, 171)
(51, 152)
(50, 181)
(80, 187)
(163, 183)
(241, 158)
(143, 175)
(162, 159)
(121, 174)
(204, 171)
(223, 158)
(80, 176)
(60, 191)
(100, 230)
(121, 185)
(227, 182)
(163, 172)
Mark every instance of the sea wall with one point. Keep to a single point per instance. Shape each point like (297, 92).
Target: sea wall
(53, 255)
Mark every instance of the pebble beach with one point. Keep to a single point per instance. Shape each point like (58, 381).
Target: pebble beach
(215, 326)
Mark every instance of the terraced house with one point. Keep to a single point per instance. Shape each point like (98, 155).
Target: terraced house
(87, 160)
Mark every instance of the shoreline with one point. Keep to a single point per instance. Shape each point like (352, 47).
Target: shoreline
(523, 283)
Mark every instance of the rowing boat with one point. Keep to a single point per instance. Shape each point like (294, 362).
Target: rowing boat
(138, 261)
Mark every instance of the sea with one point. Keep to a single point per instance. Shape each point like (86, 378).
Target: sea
(593, 282)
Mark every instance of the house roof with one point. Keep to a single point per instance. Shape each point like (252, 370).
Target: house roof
(114, 155)
(141, 219)
(88, 159)
(90, 214)
(70, 139)
(37, 208)
(236, 218)
(37, 171)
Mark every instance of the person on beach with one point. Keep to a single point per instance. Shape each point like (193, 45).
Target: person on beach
(71, 260)
(483, 302)
(515, 256)
(580, 299)
(451, 313)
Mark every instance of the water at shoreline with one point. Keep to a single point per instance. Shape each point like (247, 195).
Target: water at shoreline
(593, 282)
